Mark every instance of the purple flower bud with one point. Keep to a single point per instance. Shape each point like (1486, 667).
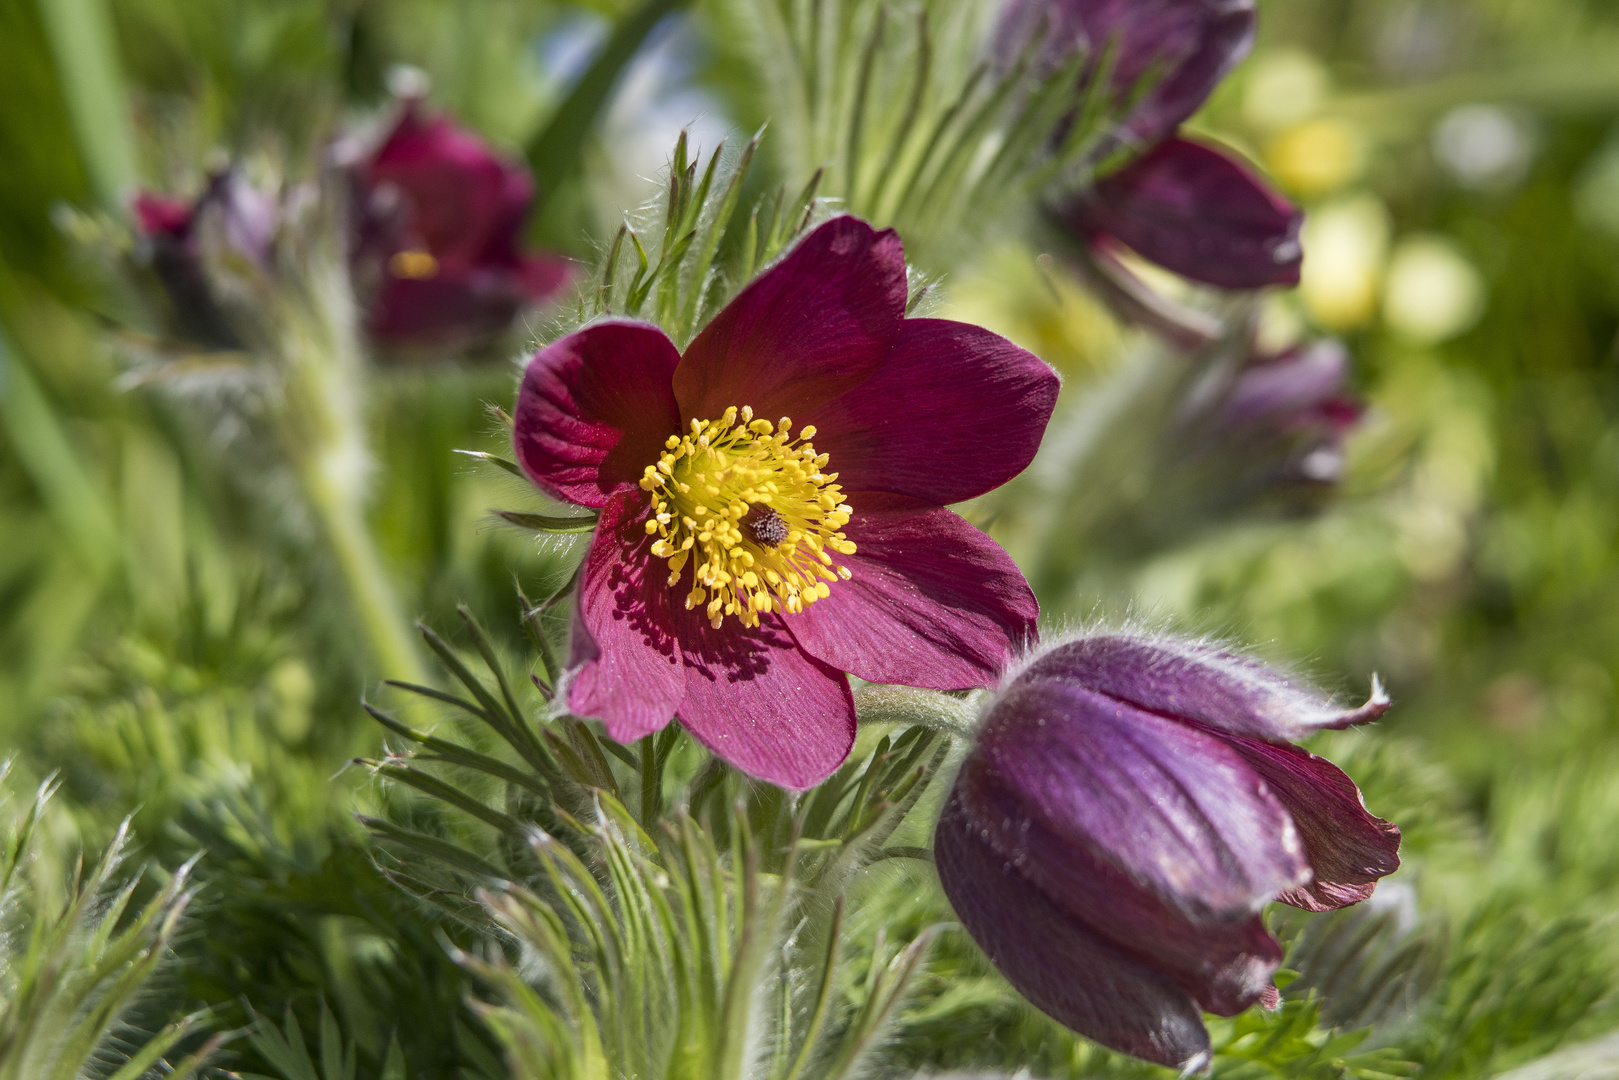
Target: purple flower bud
(1129, 807)
(1197, 211)
(436, 244)
(230, 228)
(1182, 47)
(1292, 411)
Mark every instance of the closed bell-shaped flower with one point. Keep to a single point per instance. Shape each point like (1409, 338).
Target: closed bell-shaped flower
(1130, 805)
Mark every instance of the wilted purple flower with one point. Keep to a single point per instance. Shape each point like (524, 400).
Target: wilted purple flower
(436, 249)
(1129, 807)
(231, 226)
(1197, 211)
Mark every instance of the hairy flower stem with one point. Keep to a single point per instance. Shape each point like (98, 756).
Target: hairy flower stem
(1089, 471)
(322, 426)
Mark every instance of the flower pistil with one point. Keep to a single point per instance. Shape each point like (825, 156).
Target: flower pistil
(753, 503)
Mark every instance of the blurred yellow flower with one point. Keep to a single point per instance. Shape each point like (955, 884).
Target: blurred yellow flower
(1316, 157)
(1345, 245)
(1038, 304)
(1432, 292)
(1284, 88)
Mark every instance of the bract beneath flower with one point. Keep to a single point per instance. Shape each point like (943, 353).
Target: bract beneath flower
(773, 505)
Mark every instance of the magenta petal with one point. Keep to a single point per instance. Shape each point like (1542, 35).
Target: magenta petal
(595, 409)
(1348, 848)
(1172, 808)
(159, 215)
(953, 412)
(1053, 960)
(625, 667)
(1196, 211)
(1299, 386)
(763, 705)
(1201, 682)
(932, 602)
(446, 309)
(815, 325)
(464, 201)
(1188, 46)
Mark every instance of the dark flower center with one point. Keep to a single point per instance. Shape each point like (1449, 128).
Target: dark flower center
(764, 526)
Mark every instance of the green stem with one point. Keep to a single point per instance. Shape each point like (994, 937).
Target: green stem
(86, 56)
(382, 620)
(41, 444)
(1095, 468)
(323, 425)
(651, 782)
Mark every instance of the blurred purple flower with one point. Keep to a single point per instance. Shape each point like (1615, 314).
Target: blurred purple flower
(1129, 807)
(1189, 207)
(1197, 211)
(733, 580)
(1294, 411)
(436, 247)
(231, 227)
(1183, 47)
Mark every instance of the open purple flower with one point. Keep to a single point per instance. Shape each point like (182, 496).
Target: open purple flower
(436, 251)
(772, 505)
(1130, 805)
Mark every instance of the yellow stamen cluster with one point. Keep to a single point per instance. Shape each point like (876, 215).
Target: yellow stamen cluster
(416, 265)
(749, 505)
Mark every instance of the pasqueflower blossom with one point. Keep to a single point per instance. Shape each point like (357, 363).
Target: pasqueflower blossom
(232, 224)
(1129, 806)
(1253, 433)
(1188, 206)
(772, 505)
(435, 252)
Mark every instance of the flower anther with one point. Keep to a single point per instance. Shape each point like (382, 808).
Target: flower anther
(753, 504)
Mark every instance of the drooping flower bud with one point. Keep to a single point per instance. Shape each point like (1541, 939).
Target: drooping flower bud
(192, 248)
(435, 247)
(1197, 211)
(1180, 49)
(1129, 807)
(1184, 205)
(1224, 434)
(1290, 413)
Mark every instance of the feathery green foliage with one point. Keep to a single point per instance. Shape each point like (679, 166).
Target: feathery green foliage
(78, 954)
(707, 944)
